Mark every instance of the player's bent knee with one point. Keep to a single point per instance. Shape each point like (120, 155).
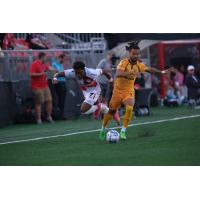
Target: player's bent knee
(84, 109)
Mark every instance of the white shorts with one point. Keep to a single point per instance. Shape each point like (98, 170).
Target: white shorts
(91, 97)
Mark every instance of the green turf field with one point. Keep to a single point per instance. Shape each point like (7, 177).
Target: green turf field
(160, 143)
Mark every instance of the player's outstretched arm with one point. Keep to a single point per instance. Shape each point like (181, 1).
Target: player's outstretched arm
(153, 70)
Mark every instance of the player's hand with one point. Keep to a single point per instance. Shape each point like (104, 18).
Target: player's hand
(54, 80)
(167, 71)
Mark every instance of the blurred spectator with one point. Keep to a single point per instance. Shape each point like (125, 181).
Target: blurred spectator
(44, 40)
(8, 41)
(35, 41)
(2, 35)
(183, 70)
(176, 85)
(40, 87)
(193, 85)
(179, 85)
(60, 88)
(105, 64)
(179, 77)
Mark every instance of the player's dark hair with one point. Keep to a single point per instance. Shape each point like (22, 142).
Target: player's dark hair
(41, 55)
(62, 56)
(78, 65)
(133, 45)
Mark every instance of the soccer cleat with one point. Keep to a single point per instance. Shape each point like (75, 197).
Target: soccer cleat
(102, 135)
(123, 135)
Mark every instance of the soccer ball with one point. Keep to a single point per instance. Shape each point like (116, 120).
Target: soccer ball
(112, 136)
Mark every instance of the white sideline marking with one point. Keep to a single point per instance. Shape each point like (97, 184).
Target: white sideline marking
(89, 131)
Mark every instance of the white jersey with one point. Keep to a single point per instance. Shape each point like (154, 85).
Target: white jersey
(89, 84)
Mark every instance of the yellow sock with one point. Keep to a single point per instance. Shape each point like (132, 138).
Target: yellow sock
(127, 116)
(106, 119)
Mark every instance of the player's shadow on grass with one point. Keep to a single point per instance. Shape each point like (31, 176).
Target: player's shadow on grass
(145, 133)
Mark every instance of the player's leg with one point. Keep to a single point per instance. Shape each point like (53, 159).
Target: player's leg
(89, 106)
(117, 118)
(128, 103)
(98, 110)
(107, 117)
(100, 100)
(115, 103)
(109, 96)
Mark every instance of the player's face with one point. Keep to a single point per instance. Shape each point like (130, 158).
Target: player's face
(133, 55)
(80, 73)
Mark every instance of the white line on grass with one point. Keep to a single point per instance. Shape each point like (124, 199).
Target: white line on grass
(90, 131)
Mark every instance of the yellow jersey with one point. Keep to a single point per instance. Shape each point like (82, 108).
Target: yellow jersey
(124, 84)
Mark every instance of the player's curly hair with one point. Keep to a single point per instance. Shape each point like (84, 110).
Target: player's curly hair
(133, 45)
(78, 65)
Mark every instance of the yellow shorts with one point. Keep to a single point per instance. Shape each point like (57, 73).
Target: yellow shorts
(118, 97)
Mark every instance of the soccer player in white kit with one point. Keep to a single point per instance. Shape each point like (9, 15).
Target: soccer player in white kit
(87, 79)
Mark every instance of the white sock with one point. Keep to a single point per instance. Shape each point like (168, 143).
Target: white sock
(91, 110)
(123, 129)
(103, 128)
(104, 108)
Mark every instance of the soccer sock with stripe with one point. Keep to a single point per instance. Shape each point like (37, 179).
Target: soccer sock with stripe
(127, 117)
(106, 119)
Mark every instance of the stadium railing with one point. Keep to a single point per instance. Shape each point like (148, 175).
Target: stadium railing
(15, 64)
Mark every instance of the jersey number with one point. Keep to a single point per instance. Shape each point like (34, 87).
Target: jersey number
(92, 95)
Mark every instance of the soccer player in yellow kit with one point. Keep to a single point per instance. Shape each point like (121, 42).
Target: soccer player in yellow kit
(123, 92)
